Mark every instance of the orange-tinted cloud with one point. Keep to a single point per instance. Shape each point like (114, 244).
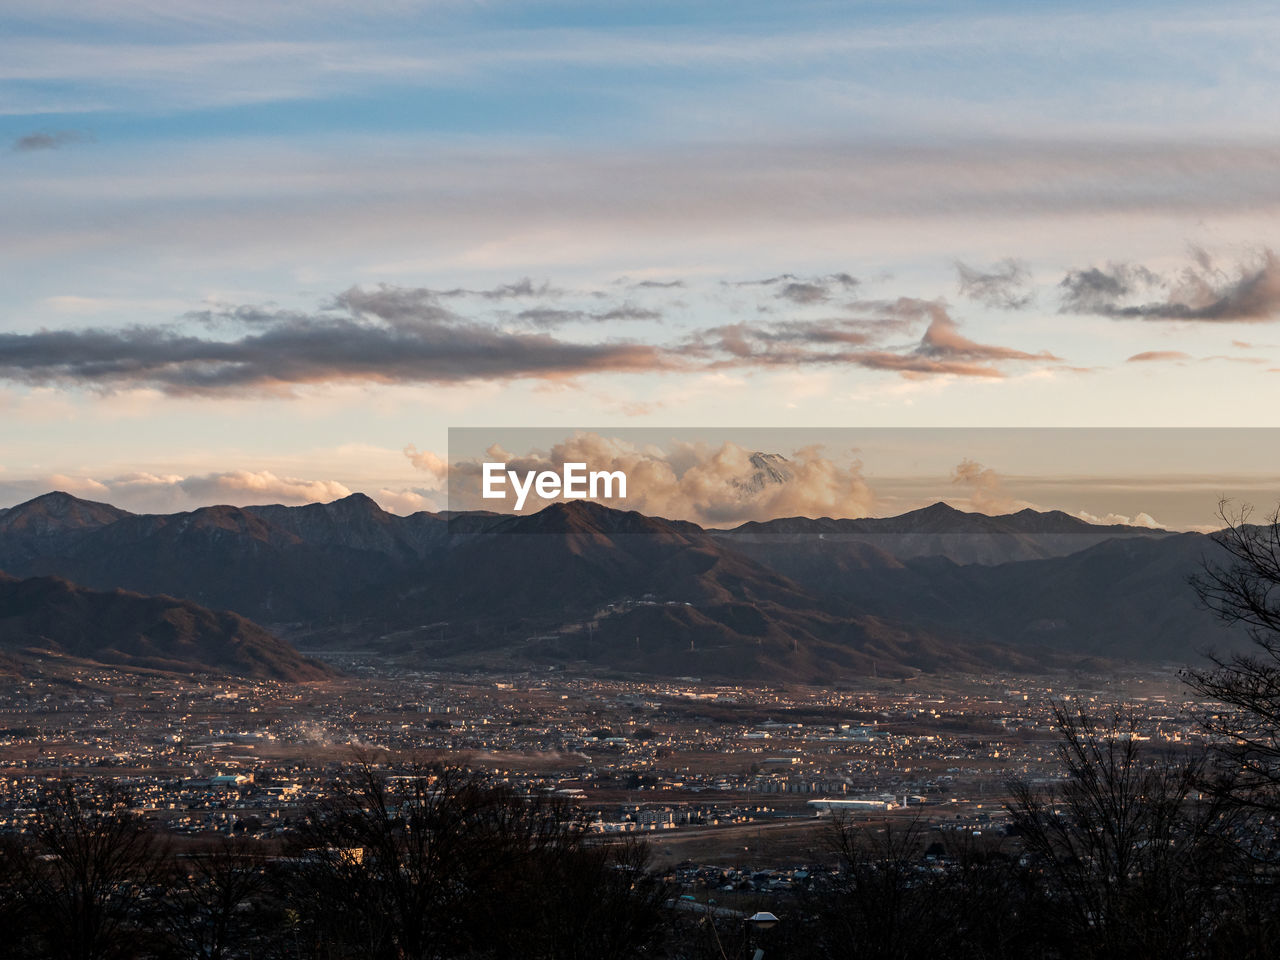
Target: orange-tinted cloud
(941, 350)
(149, 491)
(429, 463)
(986, 493)
(1157, 356)
(712, 486)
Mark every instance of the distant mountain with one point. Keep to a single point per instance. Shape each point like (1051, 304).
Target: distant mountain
(358, 523)
(273, 564)
(56, 512)
(50, 615)
(933, 589)
(938, 530)
(1126, 597)
(768, 470)
(582, 582)
(47, 524)
(571, 558)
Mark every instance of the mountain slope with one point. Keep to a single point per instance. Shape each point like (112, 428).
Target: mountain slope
(274, 565)
(1124, 598)
(580, 581)
(47, 524)
(132, 630)
(1127, 597)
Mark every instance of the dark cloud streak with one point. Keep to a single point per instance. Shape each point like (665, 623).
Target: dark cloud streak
(1200, 292)
(801, 291)
(295, 350)
(406, 335)
(1003, 286)
(49, 140)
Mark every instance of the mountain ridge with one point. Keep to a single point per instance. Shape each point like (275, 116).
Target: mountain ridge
(126, 629)
(582, 582)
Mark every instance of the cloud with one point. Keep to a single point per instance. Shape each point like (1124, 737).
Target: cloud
(1158, 356)
(406, 335)
(243, 485)
(147, 492)
(395, 304)
(144, 492)
(788, 343)
(1004, 286)
(78, 486)
(54, 140)
(1114, 519)
(549, 316)
(987, 495)
(942, 350)
(766, 282)
(405, 502)
(429, 463)
(943, 339)
(658, 284)
(986, 489)
(1248, 292)
(522, 288)
(553, 317)
(803, 291)
(385, 336)
(709, 485)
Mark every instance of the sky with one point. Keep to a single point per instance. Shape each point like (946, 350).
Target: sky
(272, 252)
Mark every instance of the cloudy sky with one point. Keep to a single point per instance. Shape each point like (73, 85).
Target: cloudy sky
(274, 250)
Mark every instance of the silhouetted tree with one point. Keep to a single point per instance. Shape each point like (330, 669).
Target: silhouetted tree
(1132, 858)
(436, 863)
(1246, 590)
(887, 903)
(86, 885)
(579, 900)
(213, 900)
(15, 919)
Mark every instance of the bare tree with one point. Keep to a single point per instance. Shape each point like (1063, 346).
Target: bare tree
(15, 919)
(434, 862)
(208, 899)
(889, 903)
(1131, 857)
(87, 884)
(1245, 590)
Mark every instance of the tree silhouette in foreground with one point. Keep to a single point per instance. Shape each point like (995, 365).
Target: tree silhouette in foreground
(1131, 859)
(84, 885)
(889, 903)
(435, 863)
(215, 901)
(1245, 590)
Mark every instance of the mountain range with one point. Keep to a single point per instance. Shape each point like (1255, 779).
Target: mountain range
(931, 590)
